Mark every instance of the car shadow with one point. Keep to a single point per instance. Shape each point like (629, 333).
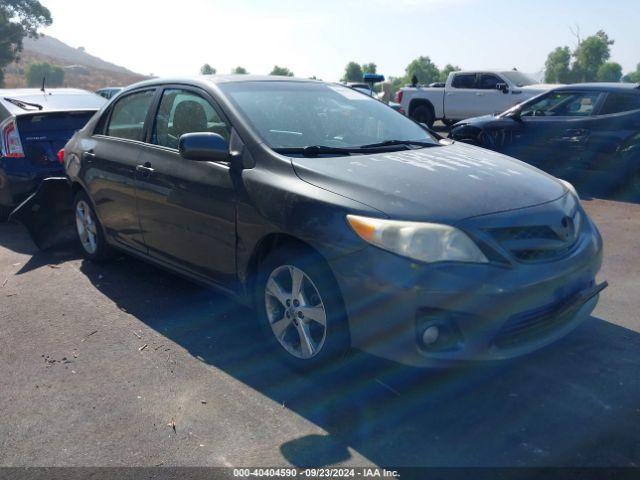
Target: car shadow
(13, 237)
(571, 404)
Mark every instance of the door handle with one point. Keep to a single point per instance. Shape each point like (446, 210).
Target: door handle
(576, 132)
(88, 156)
(478, 94)
(145, 169)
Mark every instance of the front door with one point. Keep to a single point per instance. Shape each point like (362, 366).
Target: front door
(187, 209)
(555, 130)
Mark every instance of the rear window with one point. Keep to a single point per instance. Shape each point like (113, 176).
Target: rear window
(53, 122)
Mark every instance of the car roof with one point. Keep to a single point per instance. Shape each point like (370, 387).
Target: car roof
(604, 87)
(218, 79)
(52, 100)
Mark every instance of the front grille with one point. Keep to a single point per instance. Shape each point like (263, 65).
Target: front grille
(538, 323)
(541, 255)
(523, 328)
(523, 233)
(539, 243)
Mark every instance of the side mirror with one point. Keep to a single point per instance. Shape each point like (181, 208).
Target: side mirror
(503, 87)
(204, 147)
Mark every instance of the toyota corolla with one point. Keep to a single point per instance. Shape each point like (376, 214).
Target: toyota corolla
(342, 222)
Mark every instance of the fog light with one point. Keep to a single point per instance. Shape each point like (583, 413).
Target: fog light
(430, 335)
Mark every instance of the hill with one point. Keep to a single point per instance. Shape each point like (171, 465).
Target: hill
(82, 70)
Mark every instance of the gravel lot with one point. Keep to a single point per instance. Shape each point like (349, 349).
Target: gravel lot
(100, 362)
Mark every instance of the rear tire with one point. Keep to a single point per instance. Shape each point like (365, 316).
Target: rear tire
(423, 114)
(90, 233)
(305, 330)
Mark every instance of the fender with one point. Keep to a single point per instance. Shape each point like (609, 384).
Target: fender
(48, 213)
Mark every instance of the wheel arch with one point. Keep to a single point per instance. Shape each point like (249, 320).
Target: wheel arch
(270, 243)
(417, 102)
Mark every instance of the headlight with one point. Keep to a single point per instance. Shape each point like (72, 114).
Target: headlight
(570, 187)
(426, 242)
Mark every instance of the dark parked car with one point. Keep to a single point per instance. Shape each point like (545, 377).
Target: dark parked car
(341, 221)
(34, 126)
(586, 133)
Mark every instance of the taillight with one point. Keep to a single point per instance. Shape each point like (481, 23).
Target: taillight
(11, 145)
(61, 155)
(399, 96)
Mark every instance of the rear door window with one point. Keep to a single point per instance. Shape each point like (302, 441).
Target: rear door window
(128, 116)
(620, 102)
(464, 80)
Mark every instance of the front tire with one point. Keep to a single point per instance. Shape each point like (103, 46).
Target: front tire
(300, 309)
(89, 230)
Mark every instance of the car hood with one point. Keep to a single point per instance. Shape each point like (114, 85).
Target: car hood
(443, 184)
(484, 120)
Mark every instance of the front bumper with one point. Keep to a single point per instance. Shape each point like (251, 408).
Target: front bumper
(495, 312)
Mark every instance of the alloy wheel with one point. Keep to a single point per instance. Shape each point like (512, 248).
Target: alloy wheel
(296, 312)
(86, 226)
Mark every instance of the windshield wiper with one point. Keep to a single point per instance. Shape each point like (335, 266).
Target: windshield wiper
(23, 105)
(315, 150)
(391, 143)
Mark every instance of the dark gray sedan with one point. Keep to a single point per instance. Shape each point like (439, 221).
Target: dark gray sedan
(342, 222)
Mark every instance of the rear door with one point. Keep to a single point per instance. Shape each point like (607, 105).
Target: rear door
(110, 165)
(603, 162)
(187, 209)
(460, 97)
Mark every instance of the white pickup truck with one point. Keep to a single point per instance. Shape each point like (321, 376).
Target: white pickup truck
(468, 94)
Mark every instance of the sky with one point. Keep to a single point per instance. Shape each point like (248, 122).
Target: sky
(320, 37)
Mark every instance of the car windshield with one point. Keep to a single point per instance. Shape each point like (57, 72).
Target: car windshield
(519, 79)
(301, 114)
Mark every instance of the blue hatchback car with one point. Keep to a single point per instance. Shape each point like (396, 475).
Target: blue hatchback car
(34, 126)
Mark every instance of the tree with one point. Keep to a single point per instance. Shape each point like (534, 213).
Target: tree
(590, 54)
(352, 72)
(207, 69)
(19, 19)
(424, 69)
(590, 61)
(557, 68)
(281, 71)
(633, 77)
(609, 72)
(52, 74)
(239, 71)
(369, 68)
(444, 73)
